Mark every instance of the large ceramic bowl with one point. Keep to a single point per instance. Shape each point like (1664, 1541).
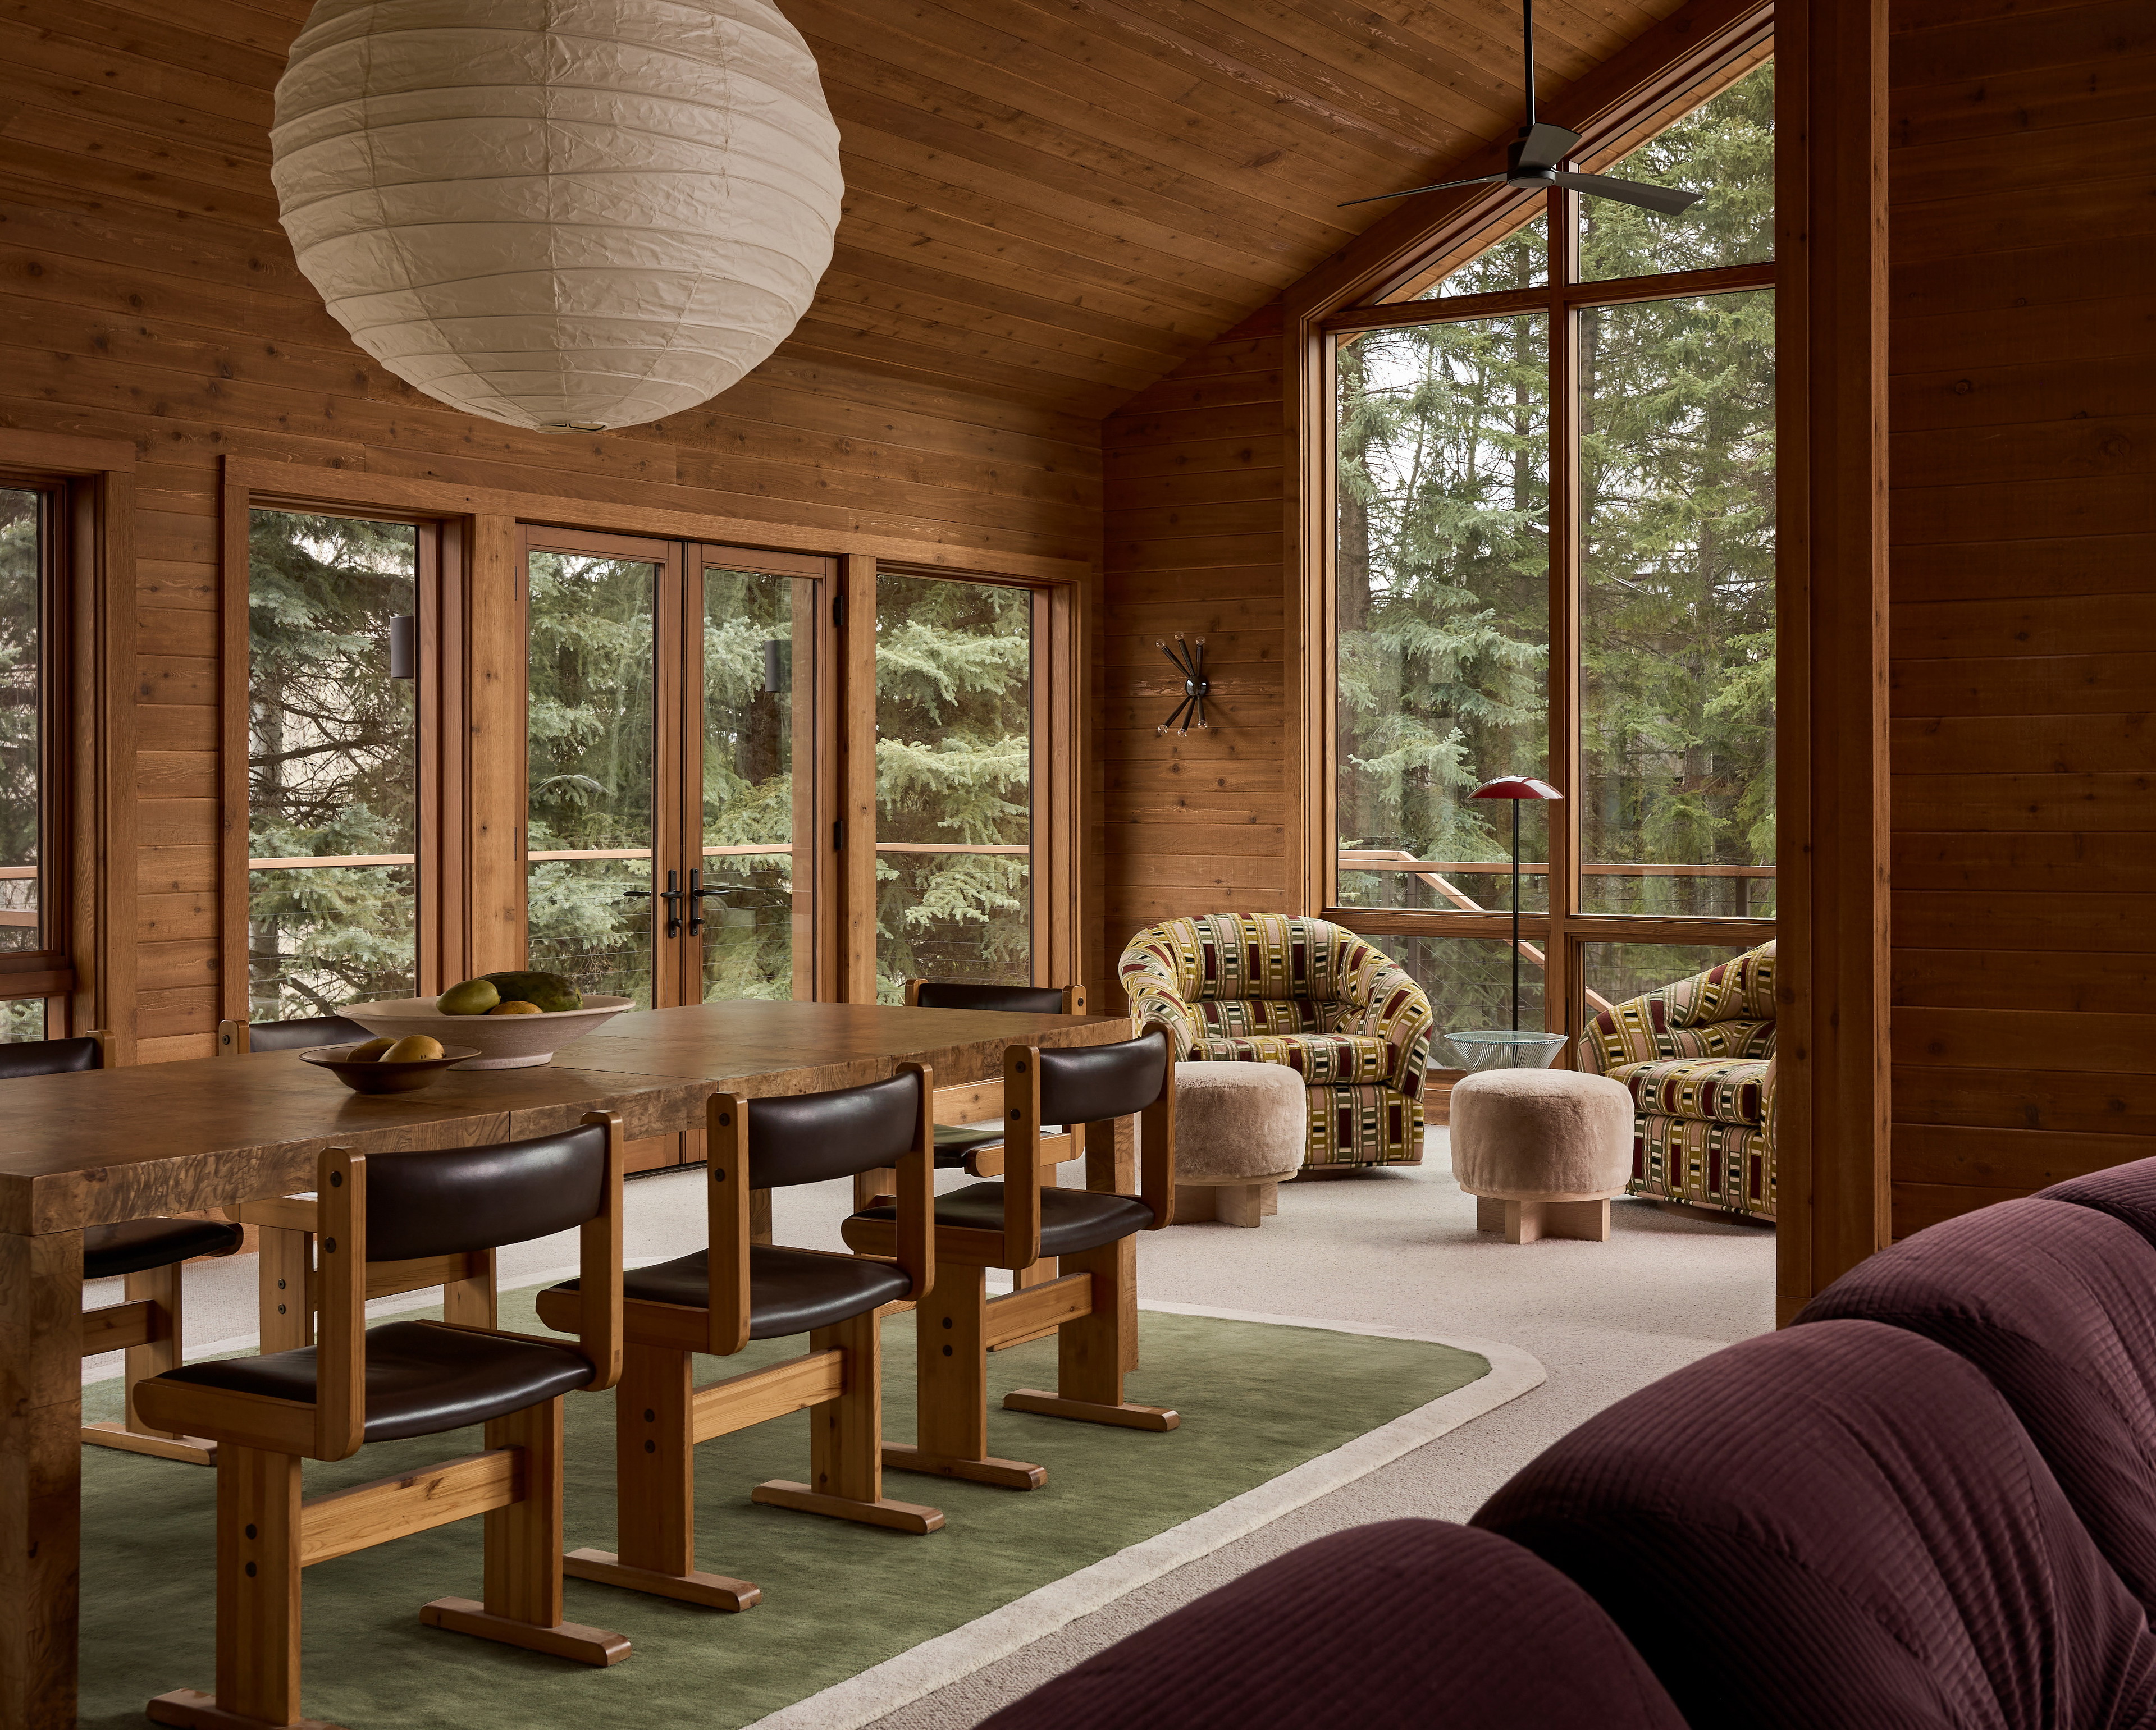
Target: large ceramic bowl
(503, 1041)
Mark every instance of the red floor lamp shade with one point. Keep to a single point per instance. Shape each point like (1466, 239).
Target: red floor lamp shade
(1516, 787)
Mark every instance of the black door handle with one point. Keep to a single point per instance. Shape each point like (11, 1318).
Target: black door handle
(697, 893)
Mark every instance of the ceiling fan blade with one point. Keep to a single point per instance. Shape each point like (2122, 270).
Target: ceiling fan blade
(1546, 145)
(1484, 180)
(1669, 200)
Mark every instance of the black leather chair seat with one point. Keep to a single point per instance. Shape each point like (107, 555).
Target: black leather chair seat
(789, 1291)
(1070, 1220)
(955, 1141)
(422, 1377)
(140, 1245)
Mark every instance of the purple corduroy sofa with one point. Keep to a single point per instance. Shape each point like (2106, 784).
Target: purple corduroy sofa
(1929, 1505)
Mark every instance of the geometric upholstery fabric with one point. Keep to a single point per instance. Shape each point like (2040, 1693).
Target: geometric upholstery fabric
(1400, 1625)
(1322, 1060)
(1713, 1089)
(1725, 1165)
(1840, 1524)
(1274, 988)
(2056, 1305)
(1699, 1058)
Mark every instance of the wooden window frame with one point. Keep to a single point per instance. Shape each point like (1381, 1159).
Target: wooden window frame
(473, 672)
(87, 890)
(1718, 51)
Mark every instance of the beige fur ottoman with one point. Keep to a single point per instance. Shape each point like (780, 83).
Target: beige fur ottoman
(1543, 1148)
(1239, 1132)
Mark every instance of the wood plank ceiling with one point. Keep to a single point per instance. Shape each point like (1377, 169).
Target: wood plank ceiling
(1056, 200)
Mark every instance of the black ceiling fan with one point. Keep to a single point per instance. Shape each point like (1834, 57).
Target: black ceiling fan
(1533, 159)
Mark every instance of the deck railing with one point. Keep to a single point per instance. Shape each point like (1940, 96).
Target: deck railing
(331, 860)
(1432, 872)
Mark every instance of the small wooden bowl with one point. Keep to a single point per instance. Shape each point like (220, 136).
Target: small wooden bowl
(378, 1078)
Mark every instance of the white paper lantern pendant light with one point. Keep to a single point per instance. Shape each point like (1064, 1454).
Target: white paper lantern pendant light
(568, 215)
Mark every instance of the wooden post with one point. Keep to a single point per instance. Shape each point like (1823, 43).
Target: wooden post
(40, 1477)
(857, 780)
(1832, 987)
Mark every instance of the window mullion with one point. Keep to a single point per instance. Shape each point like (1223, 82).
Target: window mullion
(1558, 989)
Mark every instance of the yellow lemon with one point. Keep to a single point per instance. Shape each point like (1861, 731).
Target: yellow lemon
(413, 1048)
(370, 1053)
(516, 1006)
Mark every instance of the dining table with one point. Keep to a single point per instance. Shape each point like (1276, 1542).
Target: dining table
(105, 1146)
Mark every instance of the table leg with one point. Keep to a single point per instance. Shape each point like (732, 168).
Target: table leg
(40, 1477)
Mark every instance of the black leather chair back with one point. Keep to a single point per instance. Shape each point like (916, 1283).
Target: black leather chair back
(298, 1036)
(1094, 1082)
(49, 1057)
(1011, 1000)
(442, 1203)
(810, 1137)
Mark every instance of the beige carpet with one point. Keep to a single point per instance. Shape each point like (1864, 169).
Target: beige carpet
(1395, 1249)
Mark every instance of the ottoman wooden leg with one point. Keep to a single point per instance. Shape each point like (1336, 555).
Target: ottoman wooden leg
(1530, 1221)
(1240, 1205)
(1586, 1220)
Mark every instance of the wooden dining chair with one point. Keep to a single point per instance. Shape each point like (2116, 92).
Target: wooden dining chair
(1092, 1305)
(734, 1291)
(969, 1119)
(148, 1323)
(401, 1380)
(284, 1224)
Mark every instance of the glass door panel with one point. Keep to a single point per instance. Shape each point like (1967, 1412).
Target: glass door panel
(954, 779)
(593, 912)
(755, 901)
(1442, 598)
(22, 793)
(332, 766)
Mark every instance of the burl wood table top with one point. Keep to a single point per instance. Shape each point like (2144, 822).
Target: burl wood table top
(165, 1138)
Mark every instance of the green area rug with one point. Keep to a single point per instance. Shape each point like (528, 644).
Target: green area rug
(1258, 1399)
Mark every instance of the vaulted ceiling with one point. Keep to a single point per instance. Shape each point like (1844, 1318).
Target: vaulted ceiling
(1054, 199)
(1066, 197)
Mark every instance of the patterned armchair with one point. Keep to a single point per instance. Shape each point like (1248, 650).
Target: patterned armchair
(1267, 988)
(1699, 1058)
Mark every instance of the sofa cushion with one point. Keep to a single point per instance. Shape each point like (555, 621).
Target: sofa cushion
(1322, 1060)
(1839, 1524)
(2056, 1305)
(2128, 1193)
(1714, 1090)
(1401, 1625)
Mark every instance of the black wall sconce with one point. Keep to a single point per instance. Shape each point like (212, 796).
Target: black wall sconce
(1189, 658)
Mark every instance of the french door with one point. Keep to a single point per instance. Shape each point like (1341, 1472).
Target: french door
(675, 753)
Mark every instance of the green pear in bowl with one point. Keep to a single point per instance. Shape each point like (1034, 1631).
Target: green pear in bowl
(471, 997)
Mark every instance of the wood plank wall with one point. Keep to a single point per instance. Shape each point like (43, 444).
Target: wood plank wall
(147, 293)
(1195, 541)
(2023, 355)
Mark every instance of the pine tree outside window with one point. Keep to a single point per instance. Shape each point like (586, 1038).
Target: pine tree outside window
(1553, 515)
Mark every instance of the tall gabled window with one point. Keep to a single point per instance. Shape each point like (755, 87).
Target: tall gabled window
(1553, 498)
